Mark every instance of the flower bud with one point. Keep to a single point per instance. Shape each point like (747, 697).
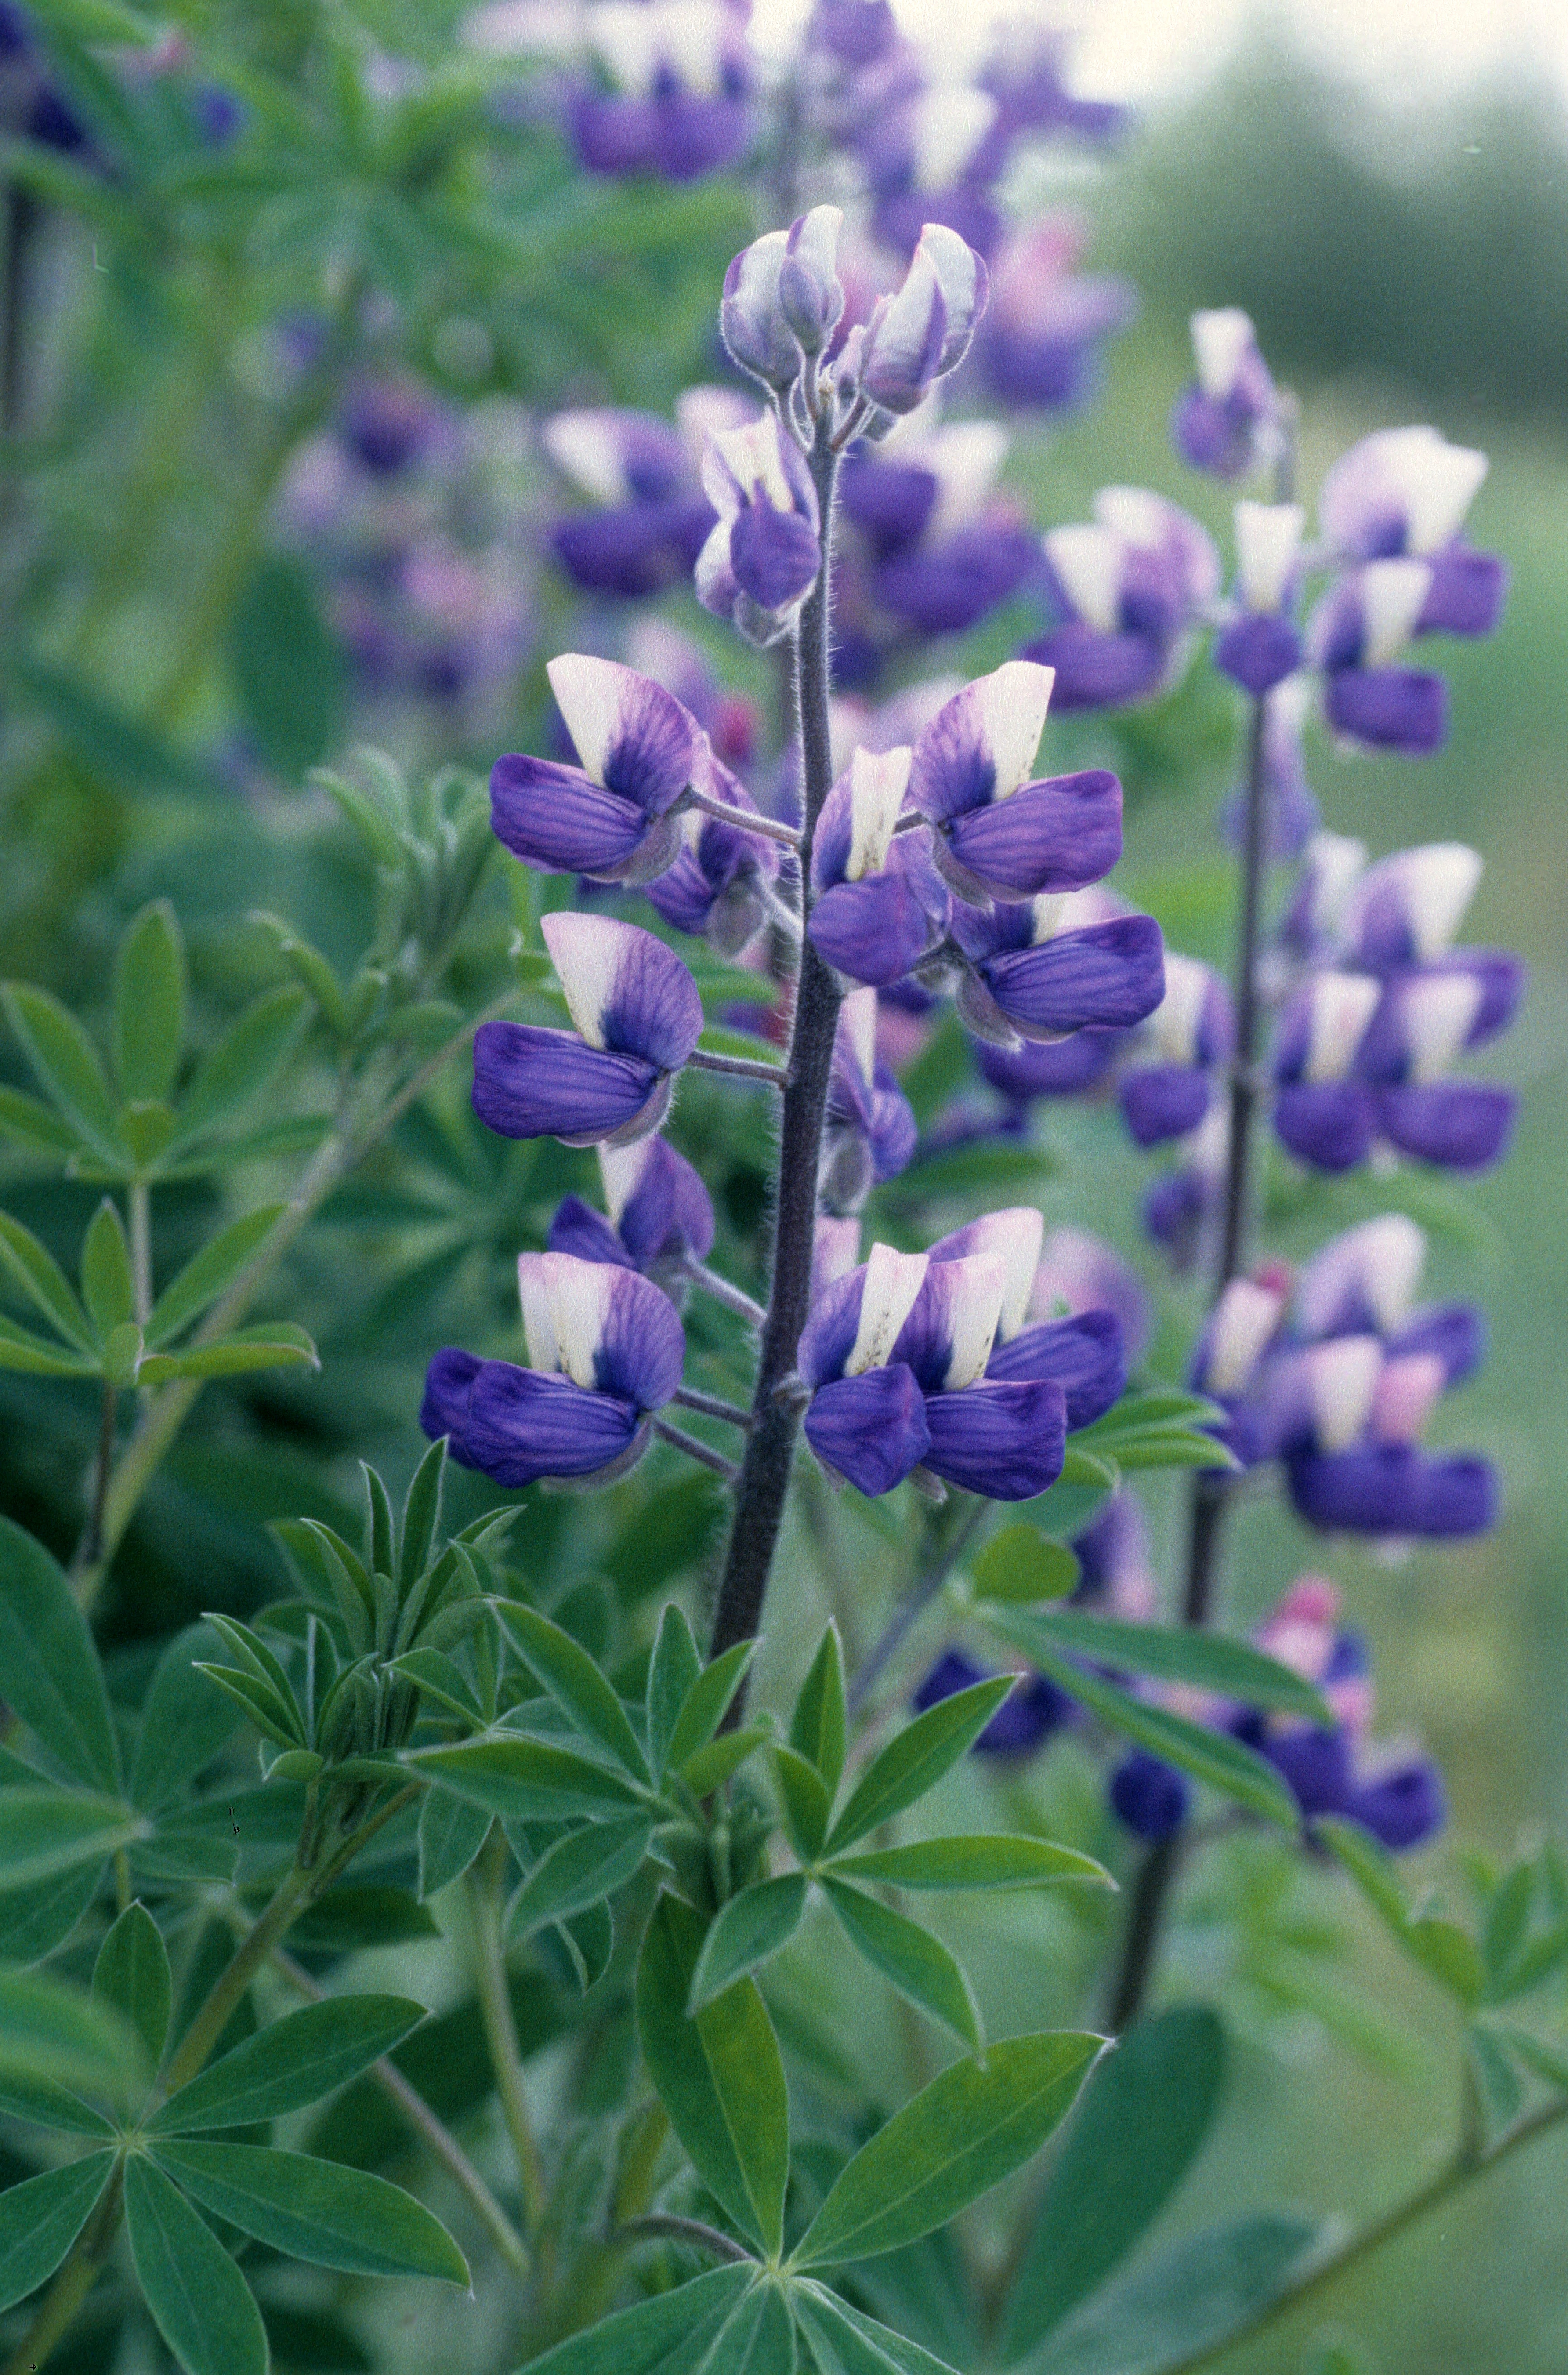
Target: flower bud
(759, 337)
(923, 334)
(811, 295)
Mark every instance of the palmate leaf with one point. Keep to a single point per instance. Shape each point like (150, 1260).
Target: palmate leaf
(527, 1780)
(575, 1682)
(41, 2218)
(718, 2076)
(843, 2342)
(209, 1273)
(67, 1067)
(582, 1868)
(1144, 2114)
(452, 1832)
(149, 1004)
(200, 2302)
(292, 2062)
(973, 2126)
(818, 1725)
(315, 2210)
(52, 2030)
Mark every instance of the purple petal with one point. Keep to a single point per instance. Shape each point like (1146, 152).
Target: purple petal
(873, 930)
(1258, 652)
(774, 555)
(1161, 1101)
(1456, 1333)
(1062, 1067)
(1392, 1488)
(530, 1082)
(1463, 1125)
(1328, 1124)
(1315, 1767)
(444, 1410)
(946, 590)
(1099, 671)
(893, 1128)
(634, 550)
(642, 1346)
(1059, 835)
(1083, 1355)
(630, 735)
(523, 1426)
(1111, 973)
(1005, 1441)
(1150, 1796)
(556, 818)
(669, 1211)
(1393, 709)
(626, 990)
(888, 501)
(1467, 593)
(1403, 1808)
(872, 1429)
(829, 1335)
(578, 1229)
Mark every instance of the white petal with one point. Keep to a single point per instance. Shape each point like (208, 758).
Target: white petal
(1014, 1237)
(1268, 539)
(1175, 1021)
(586, 951)
(1381, 1259)
(1406, 1390)
(1049, 910)
(964, 458)
(1088, 560)
(950, 125)
(1435, 884)
(578, 1294)
(622, 1168)
(857, 1020)
(1393, 597)
(893, 1281)
(1334, 863)
(1437, 1014)
(752, 457)
(591, 696)
(1244, 1318)
(1012, 702)
(1220, 342)
(704, 412)
(538, 1325)
(585, 448)
(1341, 1007)
(1135, 514)
(1439, 482)
(973, 1312)
(1342, 1383)
(877, 785)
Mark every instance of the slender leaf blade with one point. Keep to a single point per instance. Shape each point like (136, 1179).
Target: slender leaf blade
(744, 1932)
(66, 1064)
(1207, 1662)
(131, 1977)
(316, 2210)
(527, 1780)
(582, 1868)
(200, 2302)
(149, 1004)
(208, 1273)
(907, 1955)
(1185, 2302)
(707, 1702)
(1215, 1757)
(571, 1678)
(843, 2342)
(672, 1671)
(49, 1670)
(45, 1831)
(973, 2126)
(917, 1758)
(665, 2335)
(819, 1726)
(292, 2062)
(989, 1860)
(41, 2218)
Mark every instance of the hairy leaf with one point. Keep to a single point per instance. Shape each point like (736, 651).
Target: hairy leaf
(987, 1861)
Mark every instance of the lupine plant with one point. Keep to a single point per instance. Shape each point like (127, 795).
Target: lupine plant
(775, 1567)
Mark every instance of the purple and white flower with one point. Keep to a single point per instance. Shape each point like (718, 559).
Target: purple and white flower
(1128, 587)
(680, 103)
(895, 1355)
(605, 1351)
(870, 1132)
(941, 548)
(879, 905)
(660, 1214)
(764, 553)
(721, 883)
(1190, 1035)
(1229, 422)
(1260, 647)
(995, 833)
(923, 331)
(609, 1081)
(1032, 971)
(651, 518)
(1039, 348)
(1349, 1412)
(611, 817)
(783, 298)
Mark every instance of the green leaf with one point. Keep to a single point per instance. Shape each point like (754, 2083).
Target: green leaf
(845, 2343)
(52, 2030)
(41, 2218)
(712, 1766)
(1082, 1468)
(29, 1122)
(452, 1832)
(1174, 1653)
(667, 2335)
(586, 1941)
(422, 1514)
(441, 1678)
(707, 1702)
(819, 1726)
(108, 1290)
(241, 1064)
(1168, 1447)
(1021, 1564)
(1536, 1960)
(574, 1682)
(40, 1278)
(123, 1354)
(49, 1670)
(758, 2338)
(274, 1719)
(744, 1932)
(1145, 2112)
(1210, 1757)
(45, 1831)
(35, 1356)
(1184, 2303)
(804, 1797)
(1369, 1865)
(149, 1004)
(906, 1953)
(37, 1918)
(200, 2302)
(270, 1344)
(131, 1977)
(185, 1723)
(986, 1860)
(1449, 1954)
(1508, 1920)
(66, 1062)
(207, 1275)
(672, 1671)
(1548, 2061)
(582, 1868)
(525, 1780)
(973, 2126)
(1501, 2088)
(718, 2076)
(292, 2062)
(316, 2210)
(356, 1914)
(917, 1758)
(288, 671)
(44, 2103)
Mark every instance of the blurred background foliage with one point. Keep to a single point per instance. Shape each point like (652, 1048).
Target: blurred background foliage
(170, 672)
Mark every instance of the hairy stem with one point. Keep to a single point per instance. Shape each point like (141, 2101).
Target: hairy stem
(711, 1406)
(734, 1298)
(770, 1449)
(694, 1449)
(432, 2131)
(484, 1885)
(740, 1068)
(1211, 1488)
